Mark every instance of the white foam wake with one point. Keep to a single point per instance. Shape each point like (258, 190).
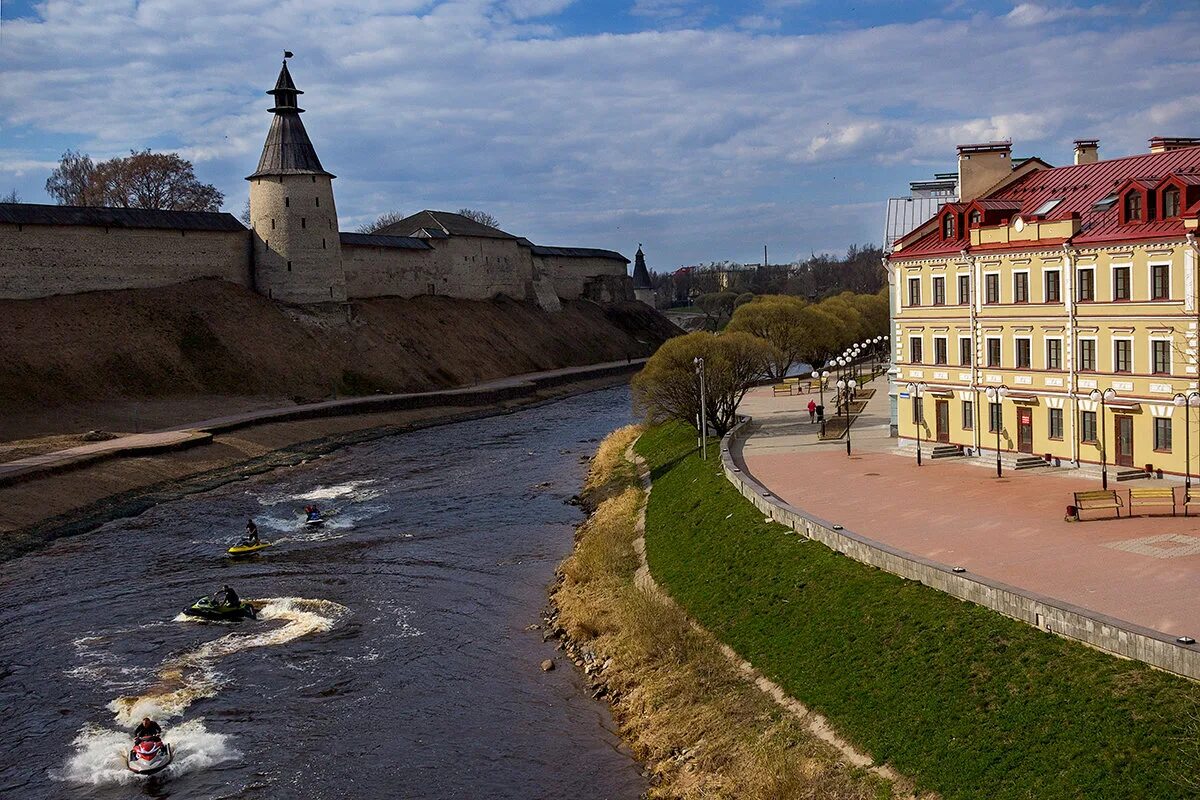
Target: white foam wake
(100, 754)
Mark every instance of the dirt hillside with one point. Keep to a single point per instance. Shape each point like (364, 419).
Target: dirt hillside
(209, 338)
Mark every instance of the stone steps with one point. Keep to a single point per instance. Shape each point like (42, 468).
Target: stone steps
(945, 451)
(1029, 462)
(1130, 474)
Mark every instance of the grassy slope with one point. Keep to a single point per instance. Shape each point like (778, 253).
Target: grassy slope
(966, 701)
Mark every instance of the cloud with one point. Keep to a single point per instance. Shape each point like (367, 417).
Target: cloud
(702, 143)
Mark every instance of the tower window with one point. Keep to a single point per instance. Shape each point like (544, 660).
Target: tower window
(323, 243)
(303, 222)
(314, 178)
(287, 202)
(272, 223)
(318, 202)
(289, 266)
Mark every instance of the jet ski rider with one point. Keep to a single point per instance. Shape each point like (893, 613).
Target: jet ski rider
(251, 537)
(312, 511)
(147, 729)
(226, 597)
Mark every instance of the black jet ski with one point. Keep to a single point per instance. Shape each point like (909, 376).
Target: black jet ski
(149, 756)
(206, 608)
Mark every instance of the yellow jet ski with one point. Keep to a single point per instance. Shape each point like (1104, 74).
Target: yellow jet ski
(245, 549)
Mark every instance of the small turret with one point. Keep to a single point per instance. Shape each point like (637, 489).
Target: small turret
(297, 250)
(643, 289)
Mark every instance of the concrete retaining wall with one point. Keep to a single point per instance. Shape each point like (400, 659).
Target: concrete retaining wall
(1055, 616)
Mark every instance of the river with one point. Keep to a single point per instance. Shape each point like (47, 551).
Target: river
(391, 657)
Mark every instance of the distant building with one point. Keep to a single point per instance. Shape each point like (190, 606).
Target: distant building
(643, 289)
(1051, 312)
(925, 198)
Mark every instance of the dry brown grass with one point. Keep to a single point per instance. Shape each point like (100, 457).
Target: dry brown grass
(699, 725)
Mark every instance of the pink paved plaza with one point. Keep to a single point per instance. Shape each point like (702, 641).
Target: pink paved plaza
(1144, 570)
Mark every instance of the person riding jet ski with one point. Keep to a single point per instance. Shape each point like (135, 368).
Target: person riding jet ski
(312, 513)
(149, 754)
(251, 537)
(226, 597)
(147, 731)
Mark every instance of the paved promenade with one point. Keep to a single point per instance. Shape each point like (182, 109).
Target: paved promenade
(181, 436)
(1144, 570)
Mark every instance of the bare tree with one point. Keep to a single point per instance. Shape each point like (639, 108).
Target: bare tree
(140, 180)
(245, 215)
(482, 217)
(11, 197)
(381, 222)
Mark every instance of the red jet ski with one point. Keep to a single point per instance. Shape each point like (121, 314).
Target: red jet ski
(149, 756)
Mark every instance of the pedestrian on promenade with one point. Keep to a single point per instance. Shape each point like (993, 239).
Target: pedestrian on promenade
(812, 411)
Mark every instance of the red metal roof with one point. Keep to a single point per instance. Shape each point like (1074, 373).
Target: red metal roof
(1080, 186)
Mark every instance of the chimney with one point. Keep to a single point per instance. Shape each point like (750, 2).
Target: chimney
(1163, 144)
(980, 166)
(1087, 151)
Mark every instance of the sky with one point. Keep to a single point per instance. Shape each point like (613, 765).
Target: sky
(702, 130)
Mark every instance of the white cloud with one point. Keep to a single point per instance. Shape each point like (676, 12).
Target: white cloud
(701, 143)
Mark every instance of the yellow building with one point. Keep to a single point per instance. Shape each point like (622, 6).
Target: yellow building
(1052, 312)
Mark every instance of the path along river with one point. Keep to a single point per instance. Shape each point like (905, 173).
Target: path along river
(390, 659)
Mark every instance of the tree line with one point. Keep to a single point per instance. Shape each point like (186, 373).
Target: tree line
(765, 338)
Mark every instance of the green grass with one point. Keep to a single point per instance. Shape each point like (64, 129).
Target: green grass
(965, 701)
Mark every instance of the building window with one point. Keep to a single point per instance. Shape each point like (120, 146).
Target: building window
(939, 351)
(1161, 349)
(964, 352)
(1171, 203)
(272, 224)
(303, 222)
(914, 291)
(323, 243)
(1122, 355)
(1087, 426)
(1055, 423)
(1162, 434)
(948, 228)
(289, 266)
(1024, 354)
(976, 218)
(287, 202)
(995, 418)
(1087, 355)
(1087, 285)
(1133, 207)
(1054, 354)
(1121, 283)
(918, 415)
(993, 352)
(1020, 287)
(1053, 292)
(964, 289)
(318, 201)
(968, 415)
(1160, 282)
(991, 288)
(939, 291)
(914, 349)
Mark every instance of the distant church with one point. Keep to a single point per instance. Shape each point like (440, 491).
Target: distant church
(294, 252)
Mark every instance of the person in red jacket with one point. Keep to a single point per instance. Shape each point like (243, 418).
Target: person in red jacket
(812, 411)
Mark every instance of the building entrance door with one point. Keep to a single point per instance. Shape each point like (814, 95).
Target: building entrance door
(943, 421)
(1124, 440)
(1024, 429)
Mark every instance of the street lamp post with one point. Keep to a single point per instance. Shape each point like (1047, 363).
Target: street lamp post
(996, 394)
(846, 387)
(1187, 401)
(1103, 398)
(917, 390)
(699, 362)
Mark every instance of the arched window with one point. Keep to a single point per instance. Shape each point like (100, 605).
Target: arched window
(1171, 202)
(948, 227)
(1133, 207)
(976, 218)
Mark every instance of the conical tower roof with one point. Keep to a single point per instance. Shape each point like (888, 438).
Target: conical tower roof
(641, 275)
(288, 150)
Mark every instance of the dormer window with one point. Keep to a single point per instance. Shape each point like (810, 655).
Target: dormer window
(1170, 202)
(1133, 207)
(975, 219)
(948, 227)
(1047, 207)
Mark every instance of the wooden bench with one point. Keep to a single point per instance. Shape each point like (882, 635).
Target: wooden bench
(1152, 497)
(1100, 498)
(1190, 499)
(782, 389)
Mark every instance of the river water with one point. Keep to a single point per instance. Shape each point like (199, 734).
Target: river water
(390, 658)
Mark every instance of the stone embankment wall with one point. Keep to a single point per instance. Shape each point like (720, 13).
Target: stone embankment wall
(1053, 616)
(45, 260)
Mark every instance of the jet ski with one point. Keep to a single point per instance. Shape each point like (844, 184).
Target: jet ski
(244, 548)
(314, 519)
(149, 756)
(205, 608)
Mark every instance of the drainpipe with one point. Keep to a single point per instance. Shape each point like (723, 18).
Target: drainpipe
(1194, 361)
(1068, 289)
(973, 272)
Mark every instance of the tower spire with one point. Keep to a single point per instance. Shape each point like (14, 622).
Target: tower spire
(288, 150)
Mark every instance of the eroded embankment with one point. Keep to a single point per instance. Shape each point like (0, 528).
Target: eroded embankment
(690, 713)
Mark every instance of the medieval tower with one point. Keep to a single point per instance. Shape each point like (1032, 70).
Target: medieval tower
(297, 251)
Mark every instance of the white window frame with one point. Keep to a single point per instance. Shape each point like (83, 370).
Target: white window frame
(921, 337)
(945, 341)
(1062, 353)
(1095, 353)
(987, 350)
(966, 338)
(1132, 357)
(1028, 286)
(1150, 265)
(1057, 271)
(1015, 351)
(999, 290)
(1078, 283)
(920, 291)
(962, 301)
(1112, 280)
(1170, 355)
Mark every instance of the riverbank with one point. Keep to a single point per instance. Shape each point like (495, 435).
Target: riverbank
(964, 701)
(34, 512)
(692, 716)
